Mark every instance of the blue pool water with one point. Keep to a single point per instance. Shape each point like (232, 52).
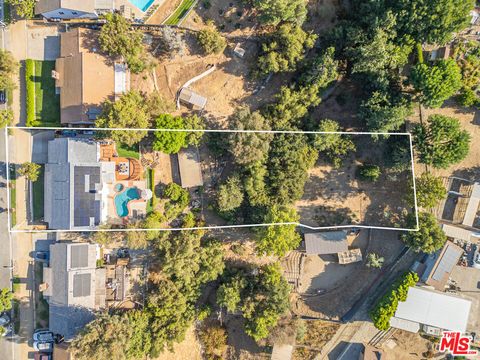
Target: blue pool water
(142, 4)
(122, 199)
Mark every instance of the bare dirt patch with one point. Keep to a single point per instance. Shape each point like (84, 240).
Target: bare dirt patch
(405, 345)
(163, 11)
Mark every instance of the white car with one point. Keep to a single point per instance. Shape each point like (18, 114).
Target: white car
(43, 336)
(43, 346)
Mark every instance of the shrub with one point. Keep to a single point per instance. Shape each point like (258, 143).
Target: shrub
(369, 172)
(211, 40)
(30, 92)
(214, 339)
(386, 307)
(177, 194)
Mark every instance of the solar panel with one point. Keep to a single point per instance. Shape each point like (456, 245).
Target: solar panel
(448, 261)
(81, 284)
(79, 256)
(86, 202)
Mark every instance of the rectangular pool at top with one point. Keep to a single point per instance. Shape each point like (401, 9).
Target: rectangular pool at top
(142, 4)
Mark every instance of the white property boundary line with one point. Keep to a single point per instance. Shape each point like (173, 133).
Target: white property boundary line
(216, 226)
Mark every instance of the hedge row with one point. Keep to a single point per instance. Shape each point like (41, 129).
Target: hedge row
(388, 304)
(30, 91)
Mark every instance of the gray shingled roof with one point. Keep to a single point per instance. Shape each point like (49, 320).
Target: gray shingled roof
(72, 178)
(323, 243)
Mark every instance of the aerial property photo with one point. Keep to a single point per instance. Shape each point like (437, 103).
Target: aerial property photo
(239, 180)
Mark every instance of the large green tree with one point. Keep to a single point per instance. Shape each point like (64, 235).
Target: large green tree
(170, 142)
(333, 144)
(284, 49)
(436, 83)
(129, 112)
(290, 157)
(230, 194)
(273, 12)
(431, 21)
(6, 297)
(118, 38)
(279, 239)
(210, 40)
(430, 191)
(429, 238)
(441, 142)
(30, 170)
(248, 147)
(8, 69)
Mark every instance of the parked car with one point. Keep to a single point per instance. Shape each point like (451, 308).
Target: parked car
(43, 346)
(68, 133)
(43, 336)
(4, 319)
(42, 256)
(42, 356)
(3, 96)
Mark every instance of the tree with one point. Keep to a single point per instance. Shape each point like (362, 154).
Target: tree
(441, 142)
(369, 172)
(170, 142)
(230, 194)
(31, 171)
(419, 19)
(24, 8)
(430, 191)
(334, 145)
(291, 106)
(272, 12)
(214, 340)
(194, 122)
(385, 309)
(6, 297)
(118, 38)
(129, 112)
(254, 184)
(290, 158)
(384, 113)
(436, 83)
(8, 69)
(263, 295)
(322, 70)
(229, 294)
(245, 147)
(284, 49)
(6, 118)
(374, 260)
(430, 236)
(210, 40)
(156, 104)
(279, 239)
(173, 41)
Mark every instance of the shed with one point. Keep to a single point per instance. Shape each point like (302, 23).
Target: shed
(350, 256)
(192, 98)
(239, 51)
(323, 243)
(472, 207)
(433, 309)
(189, 167)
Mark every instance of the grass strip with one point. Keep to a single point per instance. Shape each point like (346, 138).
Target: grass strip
(180, 12)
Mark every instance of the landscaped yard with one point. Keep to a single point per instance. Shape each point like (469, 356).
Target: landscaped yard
(13, 197)
(38, 198)
(128, 152)
(180, 12)
(43, 104)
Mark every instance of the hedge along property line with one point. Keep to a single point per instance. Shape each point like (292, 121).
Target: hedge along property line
(388, 304)
(30, 91)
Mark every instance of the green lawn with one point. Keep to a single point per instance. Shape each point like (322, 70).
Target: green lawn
(47, 103)
(13, 197)
(180, 12)
(38, 191)
(127, 151)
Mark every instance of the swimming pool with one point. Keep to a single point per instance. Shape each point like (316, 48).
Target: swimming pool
(142, 4)
(122, 199)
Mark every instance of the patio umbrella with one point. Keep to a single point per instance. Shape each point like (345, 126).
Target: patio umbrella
(147, 194)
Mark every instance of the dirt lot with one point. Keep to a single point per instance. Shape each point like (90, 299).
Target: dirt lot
(188, 349)
(338, 197)
(343, 283)
(405, 346)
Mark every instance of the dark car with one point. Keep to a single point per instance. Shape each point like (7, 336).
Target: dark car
(3, 96)
(42, 256)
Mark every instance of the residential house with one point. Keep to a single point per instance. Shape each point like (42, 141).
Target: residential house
(328, 242)
(73, 286)
(432, 312)
(75, 185)
(435, 270)
(85, 78)
(87, 184)
(87, 9)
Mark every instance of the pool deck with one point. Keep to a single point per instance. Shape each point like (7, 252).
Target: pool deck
(139, 205)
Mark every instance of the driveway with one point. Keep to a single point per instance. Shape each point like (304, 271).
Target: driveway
(43, 42)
